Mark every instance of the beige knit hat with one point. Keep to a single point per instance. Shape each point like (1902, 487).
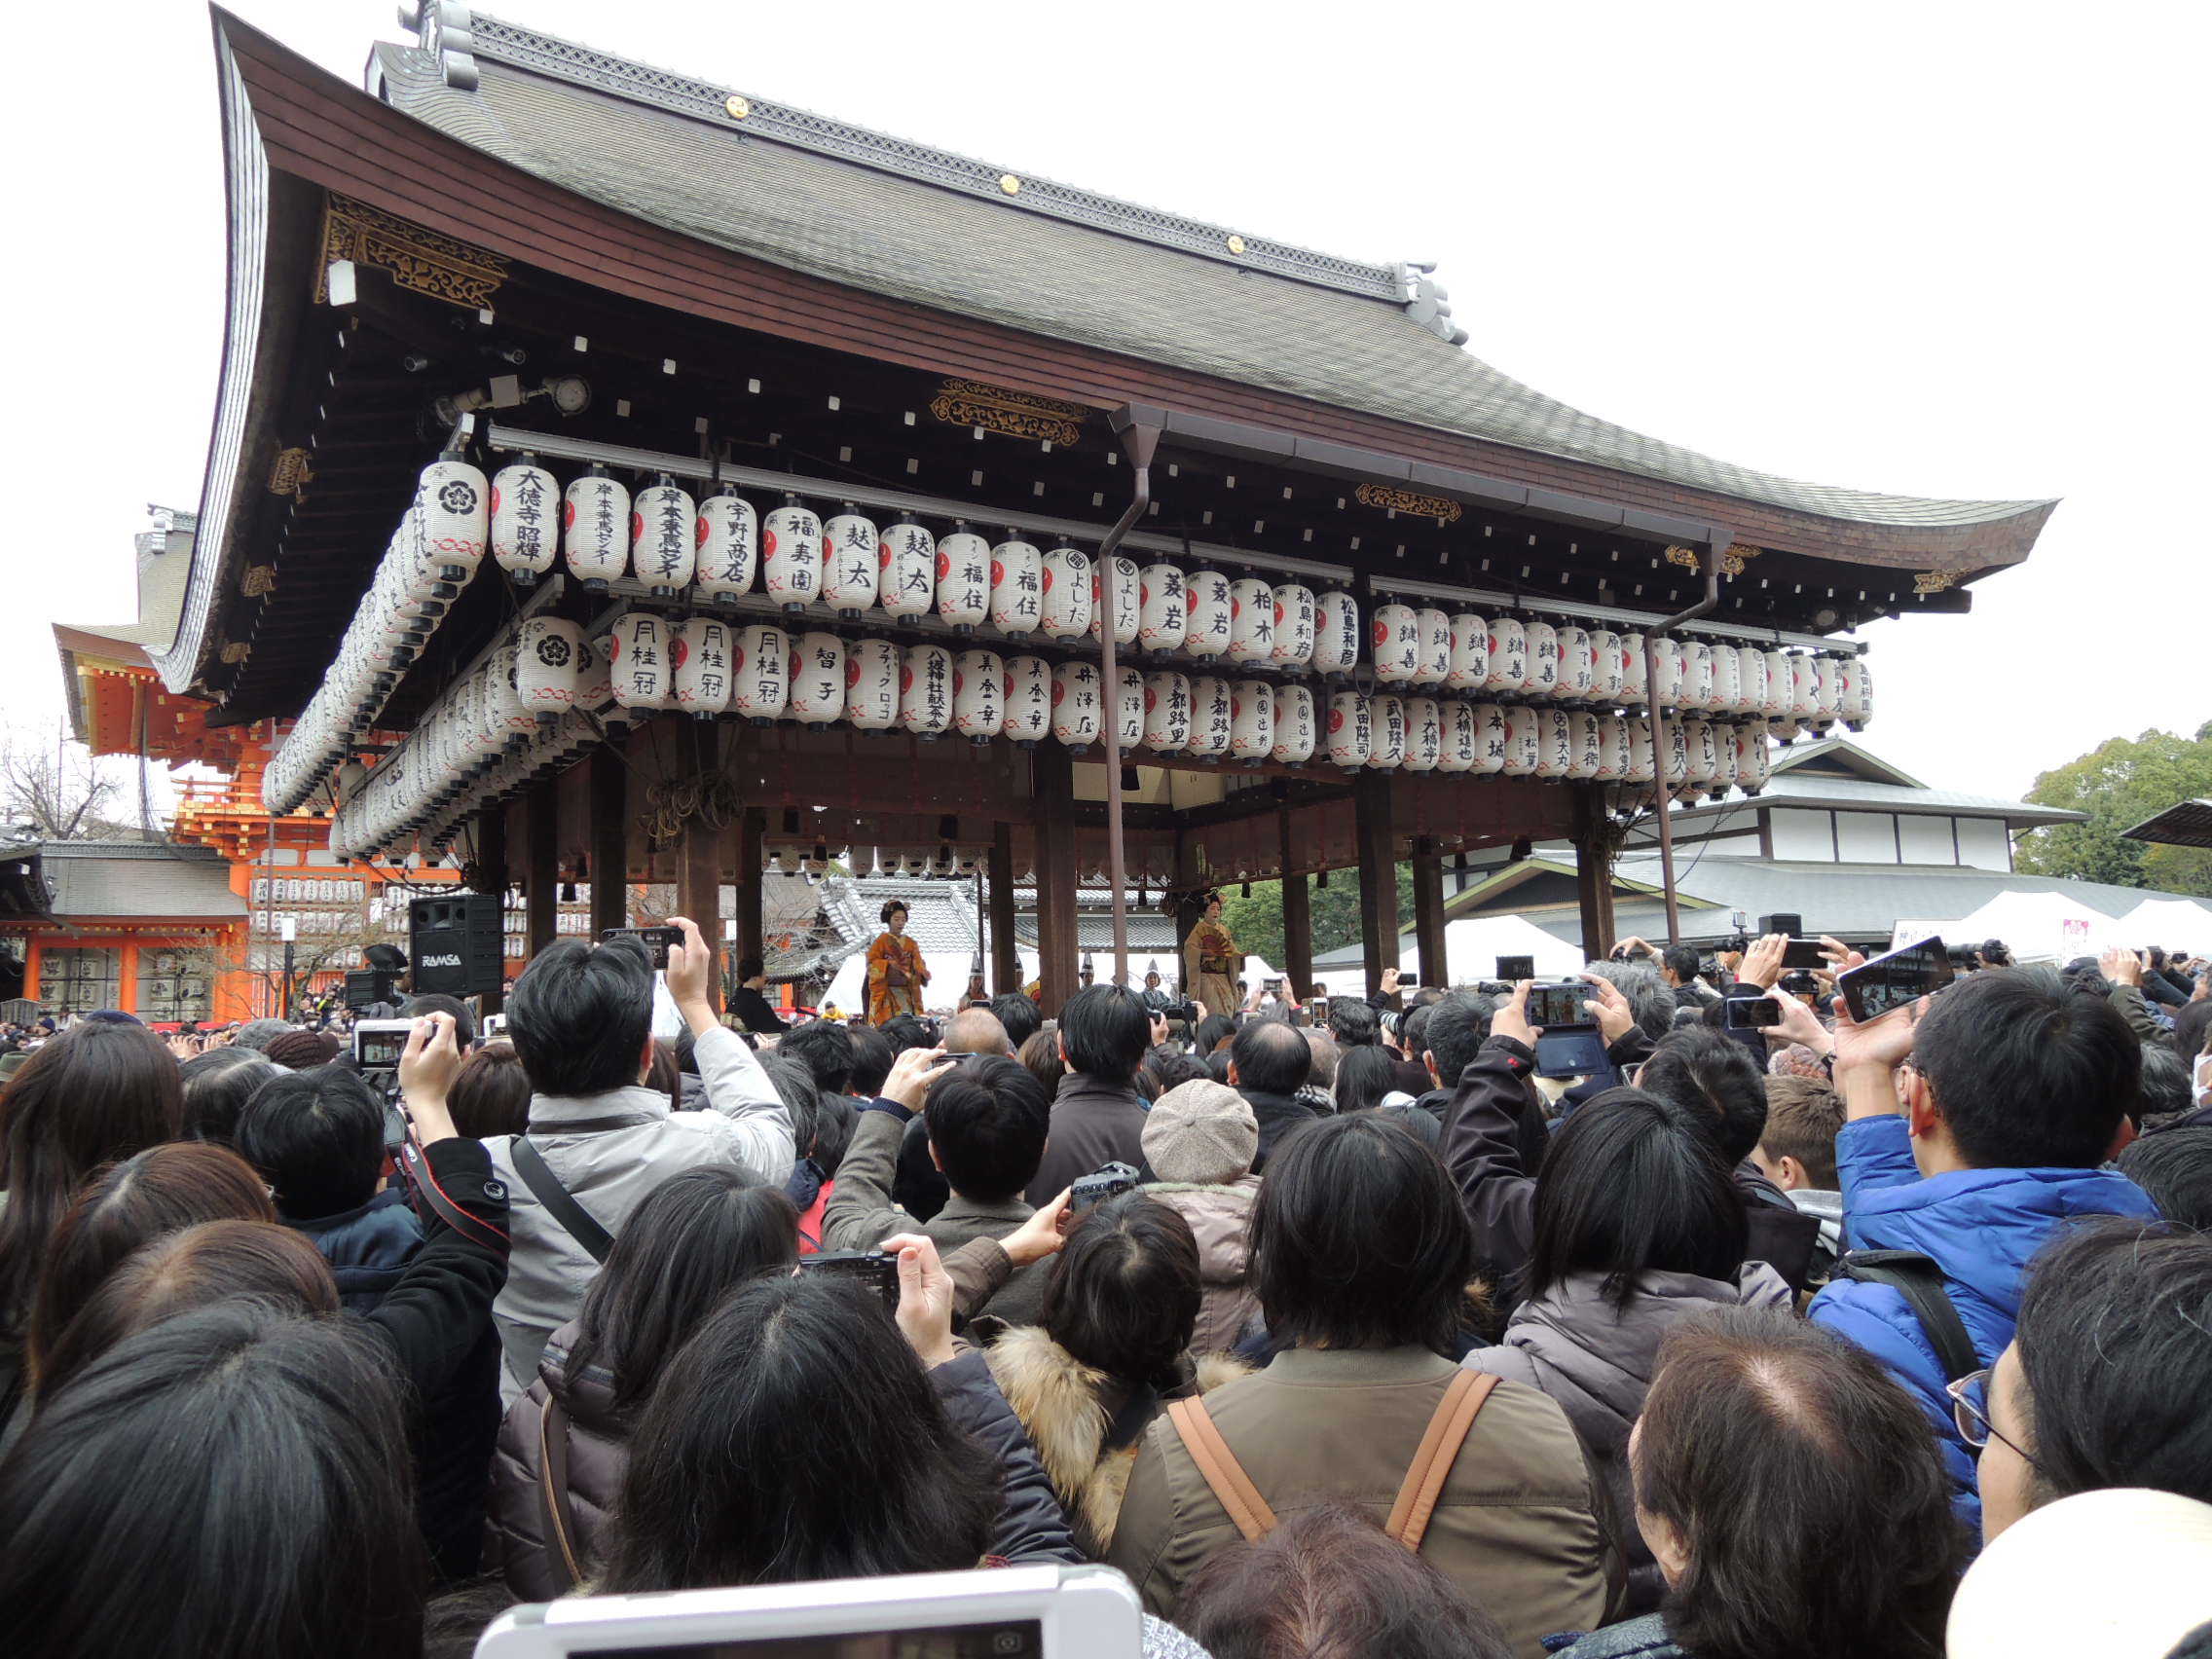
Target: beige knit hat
(1201, 1132)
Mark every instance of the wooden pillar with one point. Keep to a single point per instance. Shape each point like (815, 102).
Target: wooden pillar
(492, 878)
(1052, 788)
(1428, 912)
(699, 868)
(542, 865)
(1377, 844)
(745, 876)
(610, 785)
(1005, 956)
(1297, 917)
(1594, 847)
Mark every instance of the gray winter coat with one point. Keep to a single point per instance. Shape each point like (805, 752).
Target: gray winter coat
(1597, 1361)
(1219, 1217)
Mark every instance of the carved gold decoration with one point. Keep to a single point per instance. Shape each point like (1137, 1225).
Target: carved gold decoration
(738, 109)
(236, 650)
(1235, 244)
(1016, 414)
(1732, 558)
(259, 580)
(288, 472)
(1935, 581)
(1686, 557)
(1010, 184)
(1439, 507)
(423, 260)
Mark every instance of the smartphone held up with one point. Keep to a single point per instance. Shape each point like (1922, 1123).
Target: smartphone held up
(1897, 980)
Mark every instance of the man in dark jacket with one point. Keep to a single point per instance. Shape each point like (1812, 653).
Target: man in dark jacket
(749, 1003)
(1097, 1115)
(1268, 1064)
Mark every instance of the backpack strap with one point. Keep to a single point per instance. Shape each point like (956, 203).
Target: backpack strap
(1439, 1449)
(1919, 1281)
(553, 1496)
(546, 1186)
(1221, 1470)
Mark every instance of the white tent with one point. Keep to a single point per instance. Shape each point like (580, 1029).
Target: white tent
(2177, 924)
(1472, 946)
(948, 979)
(2041, 927)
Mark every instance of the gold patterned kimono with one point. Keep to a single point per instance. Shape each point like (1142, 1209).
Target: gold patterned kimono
(1211, 963)
(886, 1001)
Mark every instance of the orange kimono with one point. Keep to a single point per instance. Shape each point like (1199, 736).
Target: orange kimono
(886, 1001)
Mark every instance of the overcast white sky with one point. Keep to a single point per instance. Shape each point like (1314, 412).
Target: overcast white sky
(1939, 249)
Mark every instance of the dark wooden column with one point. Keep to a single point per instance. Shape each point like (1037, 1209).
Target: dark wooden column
(1053, 814)
(610, 842)
(1594, 871)
(1297, 917)
(542, 865)
(1428, 912)
(492, 878)
(998, 896)
(744, 874)
(1378, 875)
(699, 868)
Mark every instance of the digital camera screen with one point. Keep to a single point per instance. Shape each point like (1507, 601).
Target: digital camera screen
(381, 1049)
(1551, 1007)
(1893, 981)
(1021, 1640)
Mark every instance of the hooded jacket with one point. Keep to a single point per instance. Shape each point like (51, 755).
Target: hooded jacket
(1219, 1217)
(1981, 1227)
(1598, 1361)
(599, 1439)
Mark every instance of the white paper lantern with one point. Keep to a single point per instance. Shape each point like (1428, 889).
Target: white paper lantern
(1635, 668)
(1213, 720)
(1543, 660)
(1395, 635)
(1524, 741)
(1667, 664)
(1028, 694)
(1294, 725)
(1432, 630)
(1858, 693)
(818, 677)
(700, 651)
(1425, 734)
(1251, 719)
(664, 536)
(1751, 678)
(1459, 737)
(1701, 676)
(1673, 751)
(1508, 670)
(1701, 744)
(1749, 745)
(547, 657)
(1336, 634)
(523, 519)
(1555, 744)
(1017, 587)
(905, 568)
(1607, 669)
(925, 689)
(595, 536)
(1470, 653)
(979, 694)
(1162, 600)
(1492, 739)
(1589, 750)
(642, 672)
(1076, 704)
(595, 674)
(871, 685)
(1294, 625)
(1351, 729)
(727, 546)
(1639, 750)
(791, 554)
(1251, 621)
(1067, 593)
(1612, 749)
(1577, 664)
(963, 579)
(760, 674)
(1167, 713)
(455, 514)
(1781, 681)
(1387, 731)
(1128, 600)
(1129, 705)
(1727, 680)
(1828, 687)
(1205, 615)
(1804, 689)
(852, 562)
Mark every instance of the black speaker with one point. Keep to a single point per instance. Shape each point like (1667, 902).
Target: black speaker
(458, 943)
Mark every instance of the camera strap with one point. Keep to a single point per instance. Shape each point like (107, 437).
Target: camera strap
(429, 1196)
(545, 1187)
(553, 1494)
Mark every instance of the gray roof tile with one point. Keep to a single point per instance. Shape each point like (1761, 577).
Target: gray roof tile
(138, 879)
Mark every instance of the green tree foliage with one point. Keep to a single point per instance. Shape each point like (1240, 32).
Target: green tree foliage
(2120, 782)
(1256, 922)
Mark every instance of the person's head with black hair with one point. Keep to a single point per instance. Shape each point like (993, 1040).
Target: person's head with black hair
(1104, 1032)
(1164, 1068)
(1710, 1074)
(580, 1017)
(1019, 1015)
(686, 1244)
(439, 1002)
(1268, 1057)
(986, 1128)
(1353, 1023)
(1364, 1075)
(1330, 1582)
(904, 1031)
(795, 1086)
(279, 1444)
(1123, 1296)
(2105, 1381)
(2175, 1168)
(807, 1374)
(1792, 1494)
(490, 1095)
(751, 972)
(1457, 1029)
(2193, 1029)
(1632, 1184)
(1214, 1031)
(318, 1139)
(1412, 1028)
(1796, 1149)
(2085, 975)
(894, 915)
(834, 1120)
(2014, 1071)
(2165, 1086)
(872, 1058)
(1995, 953)
(257, 1034)
(1358, 1239)
(1677, 965)
(217, 1084)
(826, 1049)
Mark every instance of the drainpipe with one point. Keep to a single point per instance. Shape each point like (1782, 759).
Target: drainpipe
(1139, 430)
(1709, 562)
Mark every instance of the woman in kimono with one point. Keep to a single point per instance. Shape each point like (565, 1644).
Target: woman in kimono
(1211, 961)
(896, 974)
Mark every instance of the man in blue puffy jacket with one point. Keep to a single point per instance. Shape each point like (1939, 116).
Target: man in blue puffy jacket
(1976, 1124)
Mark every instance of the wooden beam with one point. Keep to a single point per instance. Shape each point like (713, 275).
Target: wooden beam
(1005, 956)
(745, 873)
(492, 877)
(610, 838)
(541, 865)
(1428, 912)
(1377, 845)
(1057, 876)
(1297, 918)
(1594, 871)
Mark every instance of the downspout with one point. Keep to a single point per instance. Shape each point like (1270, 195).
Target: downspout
(1139, 432)
(1709, 561)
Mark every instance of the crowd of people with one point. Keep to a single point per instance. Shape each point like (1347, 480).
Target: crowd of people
(1348, 1336)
